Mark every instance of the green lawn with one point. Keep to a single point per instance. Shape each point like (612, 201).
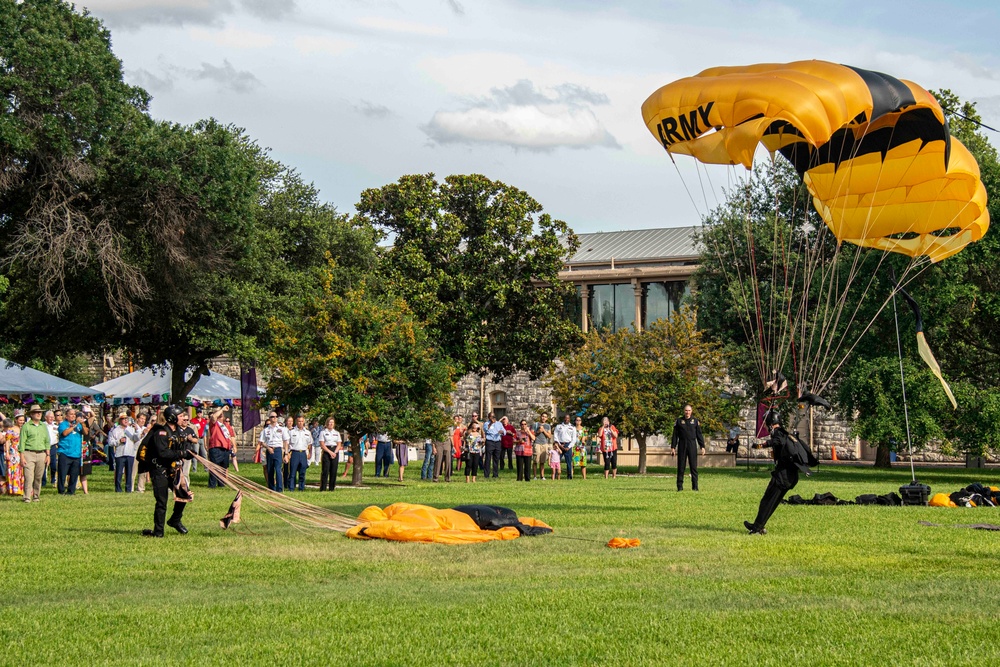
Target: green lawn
(828, 585)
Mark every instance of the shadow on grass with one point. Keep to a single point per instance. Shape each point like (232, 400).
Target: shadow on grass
(106, 531)
(714, 529)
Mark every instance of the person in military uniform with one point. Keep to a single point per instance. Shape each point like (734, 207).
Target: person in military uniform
(160, 454)
(791, 457)
(688, 439)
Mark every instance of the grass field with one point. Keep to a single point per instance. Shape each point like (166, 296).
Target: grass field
(827, 586)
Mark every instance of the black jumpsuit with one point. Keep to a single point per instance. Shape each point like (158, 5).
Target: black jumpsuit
(687, 440)
(167, 450)
(790, 457)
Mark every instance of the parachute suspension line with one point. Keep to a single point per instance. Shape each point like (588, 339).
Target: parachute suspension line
(902, 382)
(776, 310)
(697, 168)
(755, 284)
(835, 294)
(872, 274)
(827, 354)
(684, 183)
(740, 287)
(751, 325)
(971, 120)
(903, 282)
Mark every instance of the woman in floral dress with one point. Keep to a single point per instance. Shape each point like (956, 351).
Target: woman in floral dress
(15, 472)
(580, 449)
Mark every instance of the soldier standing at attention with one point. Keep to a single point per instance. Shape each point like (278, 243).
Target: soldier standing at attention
(688, 438)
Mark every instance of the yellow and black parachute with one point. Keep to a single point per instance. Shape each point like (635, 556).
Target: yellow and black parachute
(874, 151)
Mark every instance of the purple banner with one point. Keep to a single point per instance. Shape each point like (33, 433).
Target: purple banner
(250, 401)
(762, 430)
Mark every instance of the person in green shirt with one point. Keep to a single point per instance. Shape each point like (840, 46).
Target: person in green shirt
(34, 448)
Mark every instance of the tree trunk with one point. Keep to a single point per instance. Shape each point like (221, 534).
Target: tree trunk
(359, 462)
(179, 388)
(641, 440)
(882, 457)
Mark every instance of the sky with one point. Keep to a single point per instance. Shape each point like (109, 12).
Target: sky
(542, 95)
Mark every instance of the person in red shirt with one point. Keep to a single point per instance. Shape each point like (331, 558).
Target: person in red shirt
(457, 433)
(200, 426)
(220, 445)
(607, 442)
(507, 443)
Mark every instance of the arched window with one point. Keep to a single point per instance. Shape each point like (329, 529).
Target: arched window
(498, 404)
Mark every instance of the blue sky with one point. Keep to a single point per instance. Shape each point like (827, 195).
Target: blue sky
(543, 95)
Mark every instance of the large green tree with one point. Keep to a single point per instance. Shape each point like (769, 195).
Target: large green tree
(176, 243)
(642, 380)
(479, 262)
(364, 359)
(62, 102)
(872, 391)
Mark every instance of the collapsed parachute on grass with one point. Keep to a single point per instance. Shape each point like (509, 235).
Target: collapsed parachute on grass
(874, 151)
(467, 524)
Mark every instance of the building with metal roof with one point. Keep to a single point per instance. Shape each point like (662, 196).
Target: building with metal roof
(627, 279)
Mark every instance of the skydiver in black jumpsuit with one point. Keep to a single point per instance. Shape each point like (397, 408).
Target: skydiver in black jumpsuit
(688, 438)
(790, 456)
(167, 446)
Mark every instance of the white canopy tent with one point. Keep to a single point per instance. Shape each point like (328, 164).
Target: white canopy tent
(23, 384)
(153, 386)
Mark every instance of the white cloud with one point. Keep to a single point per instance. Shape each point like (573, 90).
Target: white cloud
(232, 38)
(134, 14)
(310, 44)
(227, 76)
(527, 117)
(407, 27)
(532, 128)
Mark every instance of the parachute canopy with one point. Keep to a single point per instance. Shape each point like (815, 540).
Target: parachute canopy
(874, 151)
(404, 522)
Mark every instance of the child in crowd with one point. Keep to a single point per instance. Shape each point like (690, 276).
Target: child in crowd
(555, 462)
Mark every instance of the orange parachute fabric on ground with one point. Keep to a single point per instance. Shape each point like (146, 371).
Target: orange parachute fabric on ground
(623, 542)
(405, 522)
(941, 500)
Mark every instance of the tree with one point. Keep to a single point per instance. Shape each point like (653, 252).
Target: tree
(641, 381)
(873, 392)
(479, 262)
(222, 238)
(62, 100)
(364, 359)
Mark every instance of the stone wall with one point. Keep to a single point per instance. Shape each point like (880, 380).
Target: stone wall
(525, 398)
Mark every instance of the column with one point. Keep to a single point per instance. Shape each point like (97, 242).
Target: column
(638, 288)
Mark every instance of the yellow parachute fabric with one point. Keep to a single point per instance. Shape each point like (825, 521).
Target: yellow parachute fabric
(941, 500)
(874, 151)
(404, 522)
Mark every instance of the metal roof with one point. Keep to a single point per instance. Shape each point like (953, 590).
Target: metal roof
(636, 245)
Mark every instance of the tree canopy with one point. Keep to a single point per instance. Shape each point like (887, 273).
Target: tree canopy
(642, 381)
(479, 262)
(365, 360)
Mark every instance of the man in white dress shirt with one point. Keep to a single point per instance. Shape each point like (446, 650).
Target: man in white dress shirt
(300, 441)
(274, 439)
(566, 438)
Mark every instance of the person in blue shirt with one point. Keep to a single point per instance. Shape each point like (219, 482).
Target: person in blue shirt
(72, 430)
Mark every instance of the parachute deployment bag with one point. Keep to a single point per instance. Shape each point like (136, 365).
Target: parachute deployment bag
(144, 453)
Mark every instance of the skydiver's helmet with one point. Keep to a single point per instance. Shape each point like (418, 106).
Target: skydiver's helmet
(772, 418)
(171, 414)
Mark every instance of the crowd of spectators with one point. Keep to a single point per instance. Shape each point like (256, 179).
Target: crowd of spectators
(61, 446)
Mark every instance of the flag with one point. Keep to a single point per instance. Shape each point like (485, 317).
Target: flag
(762, 430)
(249, 398)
